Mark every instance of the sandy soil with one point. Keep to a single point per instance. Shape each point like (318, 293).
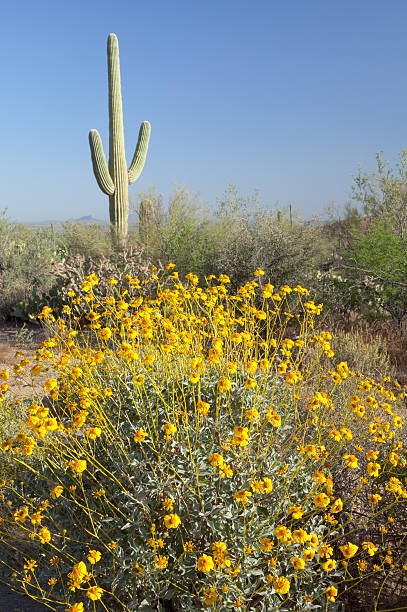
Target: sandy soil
(13, 602)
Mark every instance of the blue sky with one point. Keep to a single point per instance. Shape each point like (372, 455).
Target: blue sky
(287, 97)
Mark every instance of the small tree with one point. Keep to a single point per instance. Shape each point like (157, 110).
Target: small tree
(372, 263)
(384, 194)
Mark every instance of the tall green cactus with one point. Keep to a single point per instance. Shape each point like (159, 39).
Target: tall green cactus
(147, 222)
(115, 178)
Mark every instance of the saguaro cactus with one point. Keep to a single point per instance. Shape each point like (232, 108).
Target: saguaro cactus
(115, 178)
(146, 220)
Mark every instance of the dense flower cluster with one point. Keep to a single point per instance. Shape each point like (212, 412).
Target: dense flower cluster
(190, 447)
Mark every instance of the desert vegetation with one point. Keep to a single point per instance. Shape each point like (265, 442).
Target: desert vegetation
(215, 419)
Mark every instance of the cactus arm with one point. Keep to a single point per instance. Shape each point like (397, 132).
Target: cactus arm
(114, 178)
(139, 157)
(100, 168)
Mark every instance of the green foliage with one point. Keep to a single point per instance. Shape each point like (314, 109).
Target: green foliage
(27, 258)
(69, 273)
(254, 238)
(183, 234)
(239, 236)
(383, 194)
(91, 240)
(11, 422)
(375, 267)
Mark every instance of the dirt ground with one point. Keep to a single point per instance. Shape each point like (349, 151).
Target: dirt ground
(14, 602)
(25, 340)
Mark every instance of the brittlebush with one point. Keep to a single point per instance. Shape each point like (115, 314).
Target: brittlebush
(187, 453)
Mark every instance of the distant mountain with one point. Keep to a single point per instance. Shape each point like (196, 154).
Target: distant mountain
(88, 219)
(56, 223)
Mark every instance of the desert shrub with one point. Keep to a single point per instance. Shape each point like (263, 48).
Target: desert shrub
(375, 270)
(26, 260)
(367, 276)
(68, 275)
(180, 469)
(368, 356)
(182, 234)
(89, 240)
(250, 236)
(235, 238)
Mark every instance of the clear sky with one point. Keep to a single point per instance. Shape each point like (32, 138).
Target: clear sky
(286, 96)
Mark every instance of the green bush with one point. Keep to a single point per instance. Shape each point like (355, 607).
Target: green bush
(183, 234)
(89, 240)
(235, 238)
(26, 263)
(68, 276)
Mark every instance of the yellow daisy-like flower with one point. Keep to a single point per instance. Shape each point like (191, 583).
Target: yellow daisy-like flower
(295, 511)
(321, 500)
(337, 506)
(370, 548)
(161, 562)
(79, 466)
(30, 565)
(168, 503)
(225, 471)
(266, 545)
(273, 418)
(51, 384)
(77, 607)
(44, 535)
(240, 436)
(373, 469)
(349, 550)
(329, 565)
(94, 556)
(169, 430)
(283, 533)
(331, 593)
(210, 596)
(308, 554)
(140, 435)
(252, 414)
(137, 569)
(94, 432)
(105, 333)
(172, 521)
(205, 563)
(268, 485)
(297, 563)
(397, 422)
(56, 492)
(94, 593)
(194, 377)
(281, 584)
(242, 497)
(216, 459)
(224, 385)
(351, 461)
